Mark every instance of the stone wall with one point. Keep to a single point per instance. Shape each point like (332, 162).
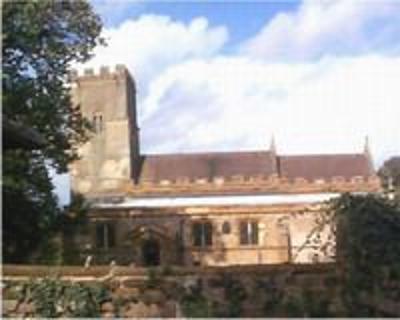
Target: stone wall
(282, 234)
(250, 291)
(109, 159)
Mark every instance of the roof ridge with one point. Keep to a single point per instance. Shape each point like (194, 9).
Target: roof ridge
(207, 153)
(321, 154)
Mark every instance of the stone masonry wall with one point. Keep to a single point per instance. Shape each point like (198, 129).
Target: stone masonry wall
(282, 234)
(250, 291)
(108, 159)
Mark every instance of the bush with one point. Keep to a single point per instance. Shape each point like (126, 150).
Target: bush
(195, 304)
(55, 298)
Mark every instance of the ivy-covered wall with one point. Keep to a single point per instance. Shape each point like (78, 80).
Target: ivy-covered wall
(244, 291)
(255, 291)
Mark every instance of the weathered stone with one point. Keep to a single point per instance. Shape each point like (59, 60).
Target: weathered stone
(113, 284)
(108, 315)
(9, 305)
(141, 310)
(108, 100)
(131, 283)
(126, 293)
(137, 310)
(154, 311)
(26, 308)
(189, 282)
(12, 292)
(153, 296)
(168, 310)
(128, 310)
(107, 307)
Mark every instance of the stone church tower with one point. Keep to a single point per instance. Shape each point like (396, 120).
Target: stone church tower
(110, 159)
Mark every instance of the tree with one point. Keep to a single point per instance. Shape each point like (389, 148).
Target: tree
(41, 39)
(367, 229)
(72, 223)
(390, 175)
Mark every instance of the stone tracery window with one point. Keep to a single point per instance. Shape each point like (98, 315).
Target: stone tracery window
(249, 232)
(202, 234)
(105, 235)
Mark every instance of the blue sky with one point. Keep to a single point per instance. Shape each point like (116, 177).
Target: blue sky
(242, 18)
(318, 75)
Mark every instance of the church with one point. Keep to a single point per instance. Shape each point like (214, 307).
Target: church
(208, 209)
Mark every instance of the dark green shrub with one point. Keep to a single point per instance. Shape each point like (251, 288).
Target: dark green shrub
(55, 298)
(195, 305)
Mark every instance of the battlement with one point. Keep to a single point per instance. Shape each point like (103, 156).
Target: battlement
(256, 184)
(272, 179)
(101, 73)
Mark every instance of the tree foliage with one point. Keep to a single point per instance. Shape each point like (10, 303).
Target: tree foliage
(390, 175)
(29, 208)
(73, 222)
(195, 304)
(40, 41)
(368, 240)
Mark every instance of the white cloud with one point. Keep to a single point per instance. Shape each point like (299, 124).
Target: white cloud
(151, 43)
(237, 103)
(321, 28)
(192, 98)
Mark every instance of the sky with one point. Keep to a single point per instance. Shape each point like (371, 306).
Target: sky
(319, 76)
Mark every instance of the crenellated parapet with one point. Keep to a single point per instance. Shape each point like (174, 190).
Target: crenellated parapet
(240, 184)
(101, 73)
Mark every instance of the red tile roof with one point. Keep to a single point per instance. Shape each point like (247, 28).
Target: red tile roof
(207, 165)
(255, 163)
(312, 167)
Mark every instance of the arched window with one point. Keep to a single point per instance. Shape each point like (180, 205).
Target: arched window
(226, 227)
(202, 233)
(105, 235)
(285, 239)
(249, 232)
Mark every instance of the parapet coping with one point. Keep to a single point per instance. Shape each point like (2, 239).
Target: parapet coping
(260, 179)
(96, 73)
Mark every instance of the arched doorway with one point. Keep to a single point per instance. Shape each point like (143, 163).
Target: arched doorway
(151, 252)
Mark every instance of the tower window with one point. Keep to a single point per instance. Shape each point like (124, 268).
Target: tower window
(105, 235)
(94, 123)
(97, 123)
(100, 124)
(202, 234)
(248, 232)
